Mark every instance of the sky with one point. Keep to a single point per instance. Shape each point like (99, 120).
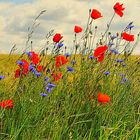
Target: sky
(61, 15)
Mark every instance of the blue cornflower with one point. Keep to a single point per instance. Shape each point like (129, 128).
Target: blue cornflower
(114, 51)
(107, 73)
(32, 69)
(44, 94)
(70, 69)
(110, 44)
(29, 53)
(91, 56)
(113, 37)
(2, 77)
(73, 62)
(67, 54)
(129, 26)
(119, 60)
(37, 73)
(60, 44)
(50, 85)
(124, 65)
(122, 82)
(49, 89)
(125, 79)
(46, 79)
(19, 62)
(121, 74)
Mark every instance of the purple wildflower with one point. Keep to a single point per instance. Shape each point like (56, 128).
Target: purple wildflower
(73, 62)
(49, 89)
(124, 65)
(110, 44)
(91, 57)
(67, 54)
(44, 94)
(114, 51)
(122, 82)
(32, 69)
(129, 26)
(107, 73)
(125, 79)
(60, 45)
(37, 73)
(70, 69)
(50, 85)
(113, 37)
(121, 74)
(2, 77)
(46, 79)
(29, 53)
(20, 62)
(119, 60)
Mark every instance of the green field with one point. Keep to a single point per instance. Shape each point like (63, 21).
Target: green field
(71, 111)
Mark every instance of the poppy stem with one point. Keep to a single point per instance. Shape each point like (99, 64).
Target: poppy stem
(108, 26)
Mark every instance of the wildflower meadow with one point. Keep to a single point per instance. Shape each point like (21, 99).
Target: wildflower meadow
(87, 91)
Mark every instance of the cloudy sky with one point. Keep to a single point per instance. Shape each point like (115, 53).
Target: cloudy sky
(61, 15)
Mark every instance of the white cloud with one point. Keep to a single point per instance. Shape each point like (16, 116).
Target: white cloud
(61, 16)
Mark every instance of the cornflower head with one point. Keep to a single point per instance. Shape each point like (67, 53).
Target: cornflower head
(19, 62)
(129, 26)
(44, 94)
(37, 74)
(50, 85)
(67, 54)
(49, 89)
(114, 51)
(2, 77)
(73, 62)
(119, 60)
(60, 45)
(107, 73)
(29, 53)
(113, 37)
(70, 69)
(32, 69)
(124, 80)
(91, 57)
(46, 79)
(110, 44)
(122, 75)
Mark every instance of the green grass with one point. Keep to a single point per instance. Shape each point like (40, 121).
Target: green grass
(72, 111)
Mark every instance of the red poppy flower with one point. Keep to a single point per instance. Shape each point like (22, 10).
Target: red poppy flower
(57, 76)
(100, 50)
(25, 64)
(60, 60)
(17, 73)
(99, 53)
(25, 71)
(34, 58)
(7, 104)
(127, 37)
(118, 9)
(101, 57)
(103, 98)
(39, 68)
(57, 37)
(78, 29)
(95, 14)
